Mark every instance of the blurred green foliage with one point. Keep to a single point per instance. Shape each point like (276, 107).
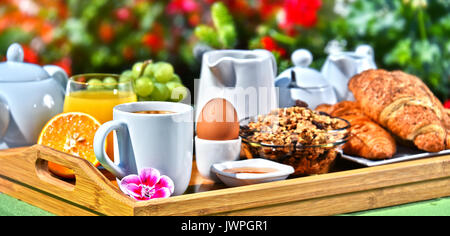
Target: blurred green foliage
(110, 36)
(409, 35)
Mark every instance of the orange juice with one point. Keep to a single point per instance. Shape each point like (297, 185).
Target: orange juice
(98, 104)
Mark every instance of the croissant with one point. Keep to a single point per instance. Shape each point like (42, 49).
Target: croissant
(325, 108)
(404, 105)
(368, 139)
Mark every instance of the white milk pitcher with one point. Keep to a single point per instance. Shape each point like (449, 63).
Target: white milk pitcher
(243, 77)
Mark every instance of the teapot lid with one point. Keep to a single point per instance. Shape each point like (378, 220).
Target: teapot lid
(15, 70)
(305, 77)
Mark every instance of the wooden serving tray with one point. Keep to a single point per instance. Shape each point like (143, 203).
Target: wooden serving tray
(24, 175)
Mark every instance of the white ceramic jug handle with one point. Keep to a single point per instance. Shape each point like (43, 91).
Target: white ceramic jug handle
(4, 117)
(102, 133)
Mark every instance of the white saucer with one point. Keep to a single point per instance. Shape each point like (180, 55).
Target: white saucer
(240, 179)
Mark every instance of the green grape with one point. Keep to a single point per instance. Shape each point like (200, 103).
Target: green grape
(144, 99)
(144, 86)
(176, 78)
(95, 84)
(220, 15)
(127, 73)
(137, 69)
(126, 76)
(160, 93)
(208, 35)
(172, 84)
(177, 91)
(163, 72)
(125, 87)
(124, 79)
(110, 83)
(149, 70)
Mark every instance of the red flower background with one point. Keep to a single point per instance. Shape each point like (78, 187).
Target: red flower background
(300, 12)
(44, 20)
(109, 36)
(270, 44)
(447, 104)
(24, 16)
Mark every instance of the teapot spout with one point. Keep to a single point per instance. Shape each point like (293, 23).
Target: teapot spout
(4, 117)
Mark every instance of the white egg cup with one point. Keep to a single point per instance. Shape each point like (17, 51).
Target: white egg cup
(210, 152)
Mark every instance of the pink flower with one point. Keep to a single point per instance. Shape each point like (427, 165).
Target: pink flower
(148, 185)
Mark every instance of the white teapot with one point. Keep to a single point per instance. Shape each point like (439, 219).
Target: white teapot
(30, 96)
(303, 84)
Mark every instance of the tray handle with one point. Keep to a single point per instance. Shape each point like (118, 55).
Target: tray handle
(44, 175)
(90, 188)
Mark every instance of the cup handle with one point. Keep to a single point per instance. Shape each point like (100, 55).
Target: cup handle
(124, 145)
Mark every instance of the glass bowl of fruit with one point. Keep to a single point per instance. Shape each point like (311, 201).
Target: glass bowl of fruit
(155, 81)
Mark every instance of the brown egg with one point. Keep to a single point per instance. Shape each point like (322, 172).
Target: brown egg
(218, 120)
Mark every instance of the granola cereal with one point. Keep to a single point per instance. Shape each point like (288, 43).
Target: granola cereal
(300, 125)
(296, 136)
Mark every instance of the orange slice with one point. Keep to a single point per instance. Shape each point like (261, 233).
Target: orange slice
(72, 133)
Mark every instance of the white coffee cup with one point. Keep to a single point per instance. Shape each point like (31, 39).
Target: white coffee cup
(160, 141)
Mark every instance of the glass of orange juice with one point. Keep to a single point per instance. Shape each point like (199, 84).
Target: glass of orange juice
(97, 95)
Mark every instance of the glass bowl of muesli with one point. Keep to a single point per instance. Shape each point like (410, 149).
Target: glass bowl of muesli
(305, 139)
